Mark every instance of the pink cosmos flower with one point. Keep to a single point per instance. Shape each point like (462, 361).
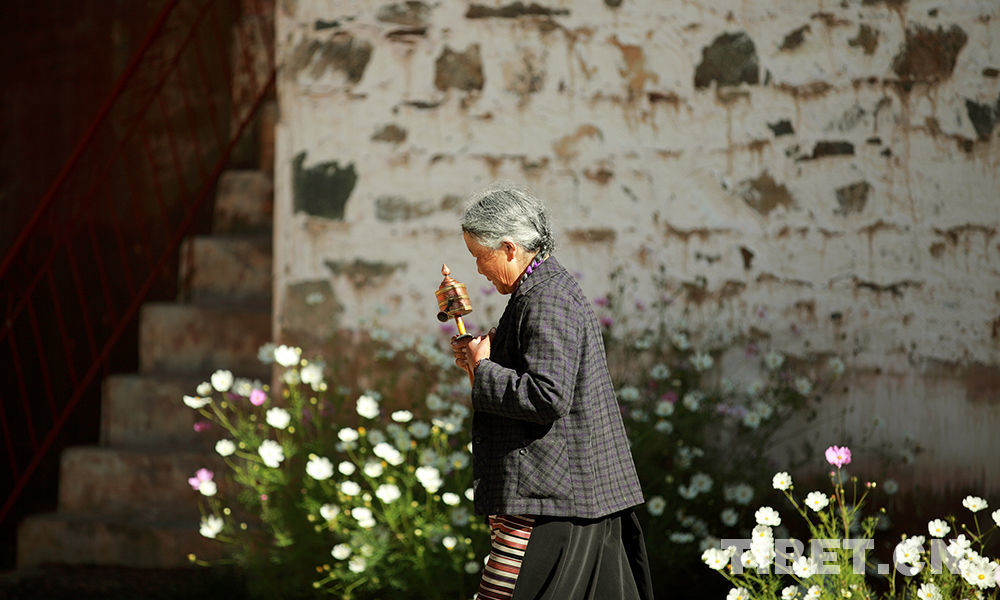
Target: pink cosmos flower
(607, 321)
(200, 476)
(200, 426)
(263, 497)
(257, 397)
(838, 456)
(670, 397)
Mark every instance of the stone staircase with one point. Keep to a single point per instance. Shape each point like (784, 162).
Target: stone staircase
(126, 502)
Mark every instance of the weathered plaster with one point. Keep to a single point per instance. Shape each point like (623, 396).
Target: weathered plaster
(837, 190)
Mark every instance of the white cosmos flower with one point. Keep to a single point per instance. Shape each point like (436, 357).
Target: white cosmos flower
(470, 494)
(692, 400)
(763, 409)
(367, 407)
(265, 353)
(434, 402)
(974, 503)
(781, 481)
(729, 517)
(715, 558)
(804, 567)
(402, 416)
(755, 388)
(430, 478)
(996, 517)
(740, 493)
(350, 488)
(222, 380)
(277, 417)
(196, 402)
(357, 564)
(211, 526)
(928, 591)
(702, 362)
(347, 435)
(752, 419)
(460, 516)
(836, 366)
(329, 511)
(291, 377)
(701, 482)
(664, 408)
(738, 594)
(341, 551)
(362, 513)
(655, 505)
(312, 375)
(978, 571)
(660, 372)
(959, 546)
(208, 488)
(287, 356)
(204, 388)
(420, 430)
(388, 453)
(813, 593)
(680, 340)
(449, 542)
(319, 468)
(790, 593)
(374, 468)
(471, 567)
(664, 426)
(346, 468)
(773, 360)
(450, 498)
(628, 394)
(817, 501)
(272, 453)
(803, 385)
(939, 528)
(225, 447)
(375, 437)
(387, 493)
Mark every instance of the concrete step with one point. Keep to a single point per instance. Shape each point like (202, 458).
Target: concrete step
(197, 340)
(148, 410)
(244, 203)
(73, 539)
(134, 482)
(231, 270)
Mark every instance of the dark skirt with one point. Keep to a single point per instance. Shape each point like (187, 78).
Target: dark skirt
(558, 558)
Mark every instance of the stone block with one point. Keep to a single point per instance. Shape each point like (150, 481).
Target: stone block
(146, 483)
(197, 340)
(81, 539)
(146, 410)
(227, 270)
(244, 202)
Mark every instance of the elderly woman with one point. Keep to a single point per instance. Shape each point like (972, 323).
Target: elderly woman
(552, 467)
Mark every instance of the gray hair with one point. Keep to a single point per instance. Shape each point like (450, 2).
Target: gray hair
(505, 212)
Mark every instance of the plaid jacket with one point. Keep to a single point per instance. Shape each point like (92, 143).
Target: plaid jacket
(547, 433)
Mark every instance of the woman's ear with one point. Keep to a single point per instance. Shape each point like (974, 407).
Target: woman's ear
(509, 249)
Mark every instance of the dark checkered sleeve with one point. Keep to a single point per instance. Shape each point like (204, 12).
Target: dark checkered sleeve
(550, 337)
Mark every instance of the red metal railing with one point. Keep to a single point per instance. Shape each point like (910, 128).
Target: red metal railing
(104, 236)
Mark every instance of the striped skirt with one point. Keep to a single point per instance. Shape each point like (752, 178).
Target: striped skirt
(557, 558)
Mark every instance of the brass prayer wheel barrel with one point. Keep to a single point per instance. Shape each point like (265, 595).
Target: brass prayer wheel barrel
(453, 299)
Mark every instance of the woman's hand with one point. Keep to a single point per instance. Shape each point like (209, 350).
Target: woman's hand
(469, 351)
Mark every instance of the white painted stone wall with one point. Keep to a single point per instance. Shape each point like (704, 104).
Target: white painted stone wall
(845, 200)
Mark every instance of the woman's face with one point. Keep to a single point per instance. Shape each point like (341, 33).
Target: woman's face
(499, 266)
